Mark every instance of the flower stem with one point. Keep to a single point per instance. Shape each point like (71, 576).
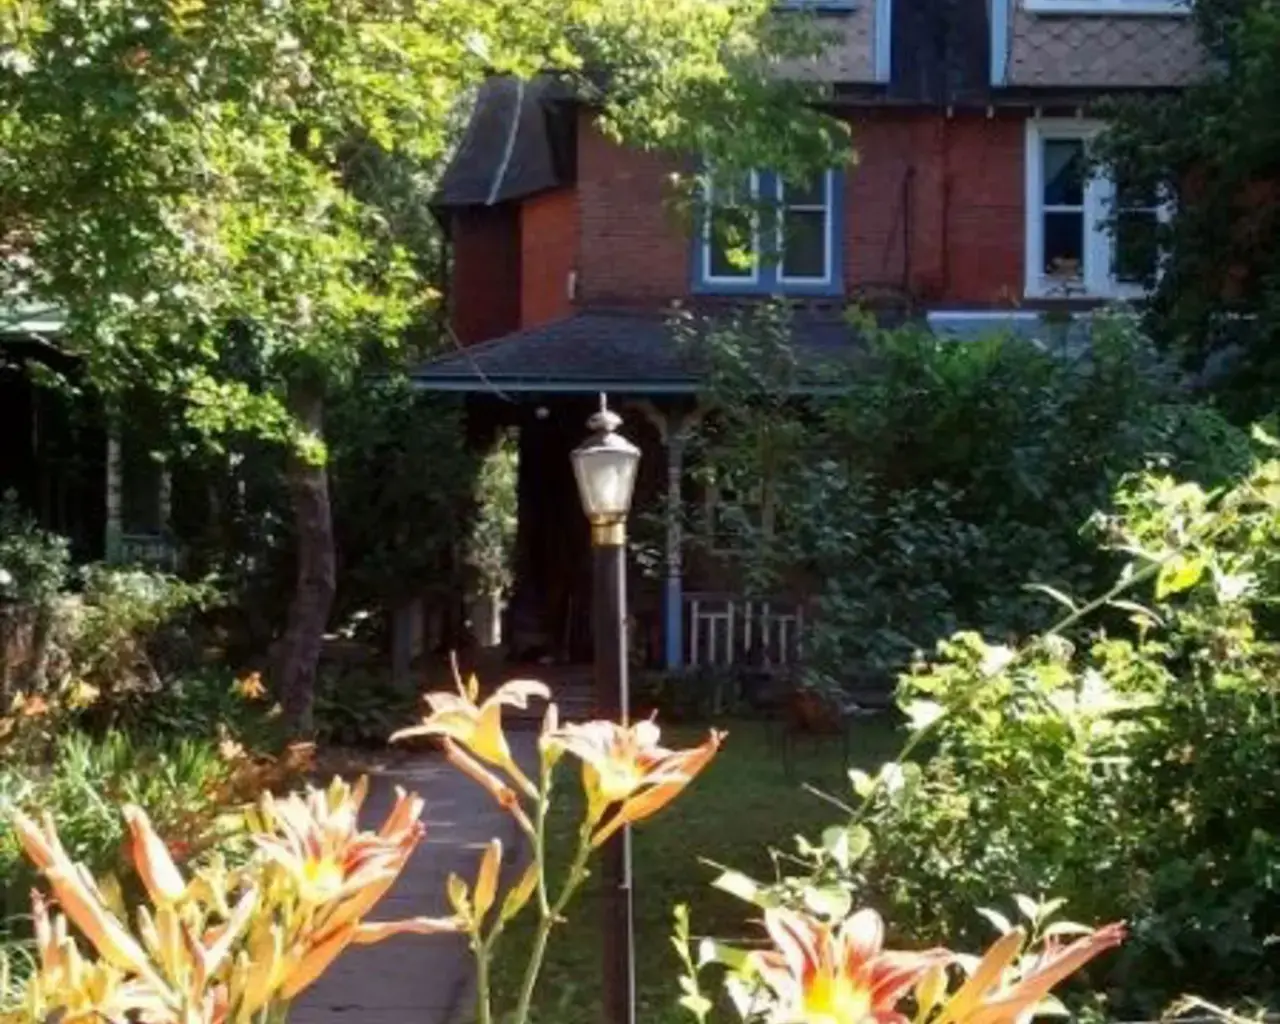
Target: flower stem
(550, 914)
(484, 998)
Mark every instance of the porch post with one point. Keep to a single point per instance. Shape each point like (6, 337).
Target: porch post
(673, 634)
(112, 546)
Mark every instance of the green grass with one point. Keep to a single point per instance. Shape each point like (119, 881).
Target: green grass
(740, 807)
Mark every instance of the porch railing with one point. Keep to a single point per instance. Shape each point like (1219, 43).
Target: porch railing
(729, 630)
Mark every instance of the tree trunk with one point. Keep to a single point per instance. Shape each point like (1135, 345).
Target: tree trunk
(299, 652)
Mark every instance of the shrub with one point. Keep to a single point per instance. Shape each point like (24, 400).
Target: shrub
(1134, 771)
(186, 785)
(360, 708)
(938, 479)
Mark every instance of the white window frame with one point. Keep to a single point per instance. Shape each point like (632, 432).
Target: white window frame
(1098, 280)
(1108, 7)
(828, 230)
(707, 225)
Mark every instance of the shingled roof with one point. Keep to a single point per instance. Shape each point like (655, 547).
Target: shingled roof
(624, 351)
(518, 141)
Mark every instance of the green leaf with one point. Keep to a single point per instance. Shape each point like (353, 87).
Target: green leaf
(923, 713)
(998, 921)
(1179, 574)
(846, 844)
(735, 883)
(1028, 908)
(1056, 594)
(712, 952)
(833, 902)
(862, 782)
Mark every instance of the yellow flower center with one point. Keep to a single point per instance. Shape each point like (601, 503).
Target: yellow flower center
(835, 999)
(619, 778)
(321, 879)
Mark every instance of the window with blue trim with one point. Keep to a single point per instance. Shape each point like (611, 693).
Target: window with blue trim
(765, 235)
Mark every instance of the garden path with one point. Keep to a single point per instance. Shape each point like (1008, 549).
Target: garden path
(419, 979)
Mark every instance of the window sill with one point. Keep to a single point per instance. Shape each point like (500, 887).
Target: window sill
(1079, 293)
(817, 6)
(1109, 8)
(772, 289)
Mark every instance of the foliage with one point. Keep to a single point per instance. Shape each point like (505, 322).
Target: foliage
(1131, 770)
(490, 545)
(1213, 148)
(190, 185)
(110, 632)
(689, 695)
(937, 480)
(401, 473)
(360, 707)
(672, 855)
(184, 784)
(33, 563)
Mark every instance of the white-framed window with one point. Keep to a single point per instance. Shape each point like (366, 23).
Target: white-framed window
(770, 236)
(1108, 6)
(1084, 236)
(805, 236)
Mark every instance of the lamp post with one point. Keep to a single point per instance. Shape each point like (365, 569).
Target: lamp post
(605, 468)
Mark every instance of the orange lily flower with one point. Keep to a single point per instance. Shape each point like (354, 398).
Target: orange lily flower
(151, 857)
(478, 726)
(988, 998)
(336, 873)
(80, 899)
(837, 974)
(624, 767)
(67, 986)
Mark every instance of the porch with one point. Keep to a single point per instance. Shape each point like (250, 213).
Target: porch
(544, 383)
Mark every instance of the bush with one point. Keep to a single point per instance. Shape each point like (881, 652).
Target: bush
(941, 478)
(358, 708)
(185, 785)
(1134, 771)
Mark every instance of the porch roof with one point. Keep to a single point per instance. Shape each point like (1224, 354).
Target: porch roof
(623, 351)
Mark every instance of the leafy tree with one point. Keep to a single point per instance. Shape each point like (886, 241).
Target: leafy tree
(186, 179)
(1215, 148)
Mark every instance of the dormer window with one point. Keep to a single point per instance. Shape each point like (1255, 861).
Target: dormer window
(766, 235)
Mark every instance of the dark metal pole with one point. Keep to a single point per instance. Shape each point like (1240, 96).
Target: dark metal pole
(613, 701)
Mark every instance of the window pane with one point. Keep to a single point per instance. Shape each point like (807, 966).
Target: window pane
(804, 244)
(1064, 244)
(1063, 172)
(810, 193)
(732, 244)
(1136, 245)
(140, 477)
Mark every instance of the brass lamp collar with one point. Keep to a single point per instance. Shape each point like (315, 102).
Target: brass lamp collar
(608, 531)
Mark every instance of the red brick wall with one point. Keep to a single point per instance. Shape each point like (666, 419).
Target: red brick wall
(548, 255)
(632, 251)
(961, 228)
(986, 211)
(485, 285)
(958, 184)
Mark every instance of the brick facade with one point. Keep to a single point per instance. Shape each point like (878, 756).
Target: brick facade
(548, 256)
(484, 299)
(633, 250)
(933, 217)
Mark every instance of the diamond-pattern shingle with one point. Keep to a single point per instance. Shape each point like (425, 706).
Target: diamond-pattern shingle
(850, 57)
(1102, 51)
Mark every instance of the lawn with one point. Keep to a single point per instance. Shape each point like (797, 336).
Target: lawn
(742, 806)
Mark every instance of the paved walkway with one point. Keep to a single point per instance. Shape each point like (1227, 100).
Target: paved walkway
(418, 979)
